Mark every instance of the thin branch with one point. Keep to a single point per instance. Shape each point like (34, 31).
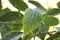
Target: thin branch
(34, 37)
(43, 33)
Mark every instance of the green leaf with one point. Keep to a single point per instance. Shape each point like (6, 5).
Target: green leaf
(58, 4)
(37, 4)
(27, 37)
(15, 27)
(0, 5)
(43, 29)
(49, 20)
(19, 4)
(41, 36)
(8, 28)
(20, 39)
(4, 11)
(31, 20)
(13, 21)
(54, 11)
(56, 36)
(12, 36)
(11, 17)
(42, 12)
(4, 29)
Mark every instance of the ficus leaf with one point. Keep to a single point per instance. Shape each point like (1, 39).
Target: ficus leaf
(56, 36)
(50, 21)
(31, 20)
(4, 29)
(15, 27)
(4, 11)
(12, 36)
(43, 29)
(11, 17)
(27, 37)
(54, 11)
(37, 4)
(58, 4)
(19, 4)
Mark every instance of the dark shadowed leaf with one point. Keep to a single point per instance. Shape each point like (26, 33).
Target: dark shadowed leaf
(11, 17)
(56, 36)
(4, 11)
(58, 4)
(54, 11)
(8, 28)
(41, 36)
(20, 39)
(13, 22)
(0, 5)
(31, 20)
(19, 4)
(50, 21)
(4, 29)
(43, 29)
(37, 4)
(12, 36)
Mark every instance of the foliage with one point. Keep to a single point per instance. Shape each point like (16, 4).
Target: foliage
(35, 22)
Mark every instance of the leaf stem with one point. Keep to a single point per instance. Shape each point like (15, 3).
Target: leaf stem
(43, 33)
(34, 37)
(19, 12)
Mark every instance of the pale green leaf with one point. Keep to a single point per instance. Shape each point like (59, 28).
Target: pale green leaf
(31, 20)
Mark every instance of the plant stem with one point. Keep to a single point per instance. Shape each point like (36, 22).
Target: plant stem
(19, 12)
(43, 33)
(34, 37)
